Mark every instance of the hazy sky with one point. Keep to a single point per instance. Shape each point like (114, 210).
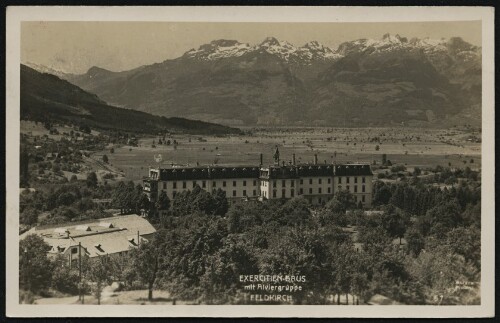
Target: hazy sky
(76, 46)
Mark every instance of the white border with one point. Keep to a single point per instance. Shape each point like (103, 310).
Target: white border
(248, 14)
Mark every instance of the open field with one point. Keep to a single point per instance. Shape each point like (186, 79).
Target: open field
(410, 146)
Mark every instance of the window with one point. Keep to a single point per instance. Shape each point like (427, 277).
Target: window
(234, 183)
(214, 184)
(183, 184)
(283, 183)
(355, 180)
(329, 180)
(310, 191)
(74, 250)
(292, 192)
(274, 183)
(224, 183)
(355, 198)
(204, 184)
(347, 180)
(355, 188)
(194, 184)
(301, 191)
(347, 187)
(329, 190)
(244, 193)
(319, 190)
(319, 181)
(164, 186)
(254, 183)
(301, 181)
(283, 193)
(363, 188)
(340, 180)
(244, 183)
(274, 193)
(310, 181)
(292, 183)
(319, 200)
(363, 199)
(174, 185)
(254, 193)
(234, 193)
(174, 193)
(363, 180)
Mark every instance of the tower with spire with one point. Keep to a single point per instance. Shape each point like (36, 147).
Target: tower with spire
(276, 156)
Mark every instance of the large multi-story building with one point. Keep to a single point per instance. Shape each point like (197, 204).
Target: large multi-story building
(314, 181)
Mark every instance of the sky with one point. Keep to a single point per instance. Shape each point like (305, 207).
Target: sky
(74, 47)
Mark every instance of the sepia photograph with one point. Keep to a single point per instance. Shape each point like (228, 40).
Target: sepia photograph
(213, 163)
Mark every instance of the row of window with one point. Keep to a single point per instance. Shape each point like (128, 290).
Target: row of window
(363, 180)
(320, 181)
(283, 183)
(204, 184)
(363, 188)
(254, 193)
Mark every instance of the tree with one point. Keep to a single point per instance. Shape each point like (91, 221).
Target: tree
(415, 241)
(100, 274)
(146, 263)
(341, 201)
(220, 283)
(220, 202)
(24, 163)
(92, 180)
(381, 193)
(35, 268)
(163, 202)
(64, 279)
(394, 222)
(105, 159)
(29, 216)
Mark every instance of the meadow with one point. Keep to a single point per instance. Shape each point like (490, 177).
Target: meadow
(412, 147)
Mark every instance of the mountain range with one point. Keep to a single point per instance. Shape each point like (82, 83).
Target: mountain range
(364, 82)
(47, 98)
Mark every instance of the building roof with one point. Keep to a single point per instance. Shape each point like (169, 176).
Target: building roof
(100, 237)
(352, 170)
(274, 171)
(308, 170)
(208, 172)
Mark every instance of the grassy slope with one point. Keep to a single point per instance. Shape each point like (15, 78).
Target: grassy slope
(45, 97)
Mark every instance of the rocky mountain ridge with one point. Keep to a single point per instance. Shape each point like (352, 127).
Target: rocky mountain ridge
(363, 82)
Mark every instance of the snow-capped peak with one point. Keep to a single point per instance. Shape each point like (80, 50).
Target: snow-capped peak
(218, 49)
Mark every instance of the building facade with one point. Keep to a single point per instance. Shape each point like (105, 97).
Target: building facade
(315, 182)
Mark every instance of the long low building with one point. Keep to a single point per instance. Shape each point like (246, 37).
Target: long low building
(113, 236)
(316, 182)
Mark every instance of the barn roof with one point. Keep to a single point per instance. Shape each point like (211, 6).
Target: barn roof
(100, 237)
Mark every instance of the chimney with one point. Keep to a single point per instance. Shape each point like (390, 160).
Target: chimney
(293, 159)
(261, 159)
(315, 159)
